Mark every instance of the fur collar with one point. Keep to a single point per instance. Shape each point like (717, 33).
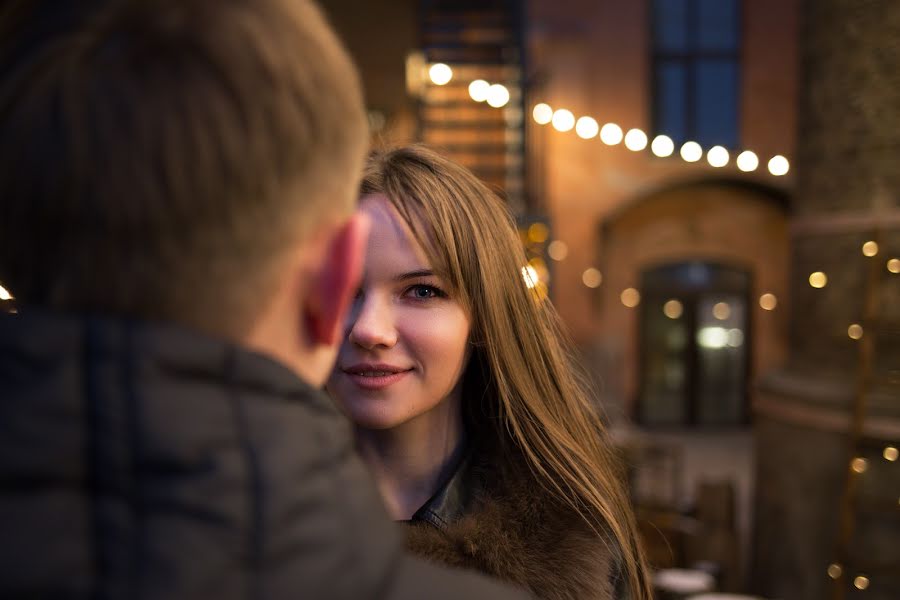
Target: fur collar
(501, 521)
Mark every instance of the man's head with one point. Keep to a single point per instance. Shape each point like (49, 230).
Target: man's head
(193, 161)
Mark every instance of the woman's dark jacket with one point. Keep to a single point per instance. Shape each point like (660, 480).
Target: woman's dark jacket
(494, 516)
(147, 462)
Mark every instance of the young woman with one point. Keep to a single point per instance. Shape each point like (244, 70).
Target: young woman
(465, 398)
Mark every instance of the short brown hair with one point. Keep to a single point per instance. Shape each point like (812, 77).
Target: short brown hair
(157, 156)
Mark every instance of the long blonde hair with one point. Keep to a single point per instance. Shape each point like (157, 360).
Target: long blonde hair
(532, 396)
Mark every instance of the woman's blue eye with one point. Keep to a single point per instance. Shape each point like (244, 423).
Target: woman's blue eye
(423, 292)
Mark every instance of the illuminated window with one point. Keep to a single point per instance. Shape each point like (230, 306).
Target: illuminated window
(696, 70)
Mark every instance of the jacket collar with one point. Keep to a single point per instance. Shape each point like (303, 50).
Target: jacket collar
(453, 499)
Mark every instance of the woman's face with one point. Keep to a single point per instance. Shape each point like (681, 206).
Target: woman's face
(406, 340)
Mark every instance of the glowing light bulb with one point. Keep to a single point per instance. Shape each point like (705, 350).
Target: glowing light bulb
(478, 90)
(611, 134)
(768, 301)
(779, 165)
(818, 279)
(717, 156)
(586, 128)
(691, 152)
(630, 297)
(563, 120)
(635, 140)
(542, 113)
(721, 311)
(498, 95)
(747, 161)
(592, 277)
(557, 250)
(662, 146)
(440, 74)
(893, 265)
(673, 309)
(4, 294)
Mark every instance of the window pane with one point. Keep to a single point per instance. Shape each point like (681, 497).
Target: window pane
(721, 356)
(717, 24)
(715, 108)
(670, 104)
(670, 25)
(665, 342)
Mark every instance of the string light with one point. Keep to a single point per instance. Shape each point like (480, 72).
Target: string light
(630, 297)
(859, 465)
(497, 95)
(717, 157)
(691, 152)
(835, 571)
(768, 301)
(542, 113)
(747, 161)
(818, 279)
(440, 74)
(893, 265)
(587, 128)
(870, 249)
(861, 582)
(779, 165)
(611, 134)
(662, 146)
(673, 309)
(478, 90)
(592, 277)
(557, 250)
(563, 120)
(635, 140)
(855, 331)
(890, 453)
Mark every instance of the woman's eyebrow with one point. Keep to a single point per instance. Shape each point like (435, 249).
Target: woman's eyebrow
(414, 274)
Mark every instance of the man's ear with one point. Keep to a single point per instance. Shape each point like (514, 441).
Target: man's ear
(336, 280)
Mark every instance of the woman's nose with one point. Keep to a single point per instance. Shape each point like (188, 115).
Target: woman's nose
(373, 323)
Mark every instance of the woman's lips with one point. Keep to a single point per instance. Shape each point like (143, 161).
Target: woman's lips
(374, 378)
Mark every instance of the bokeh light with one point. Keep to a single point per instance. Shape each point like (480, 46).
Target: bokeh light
(630, 297)
(870, 248)
(779, 165)
(747, 161)
(818, 279)
(478, 90)
(563, 120)
(855, 331)
(557, 250)
(691, 152)
(635, 140)
(592, 277)
(587, 128)
(440, 74)
(498, 95)
(717, 156)
(673, 309)
(662, 146)
(768, 301)
(611, 134)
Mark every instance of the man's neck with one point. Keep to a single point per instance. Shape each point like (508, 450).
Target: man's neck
(410, 461)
